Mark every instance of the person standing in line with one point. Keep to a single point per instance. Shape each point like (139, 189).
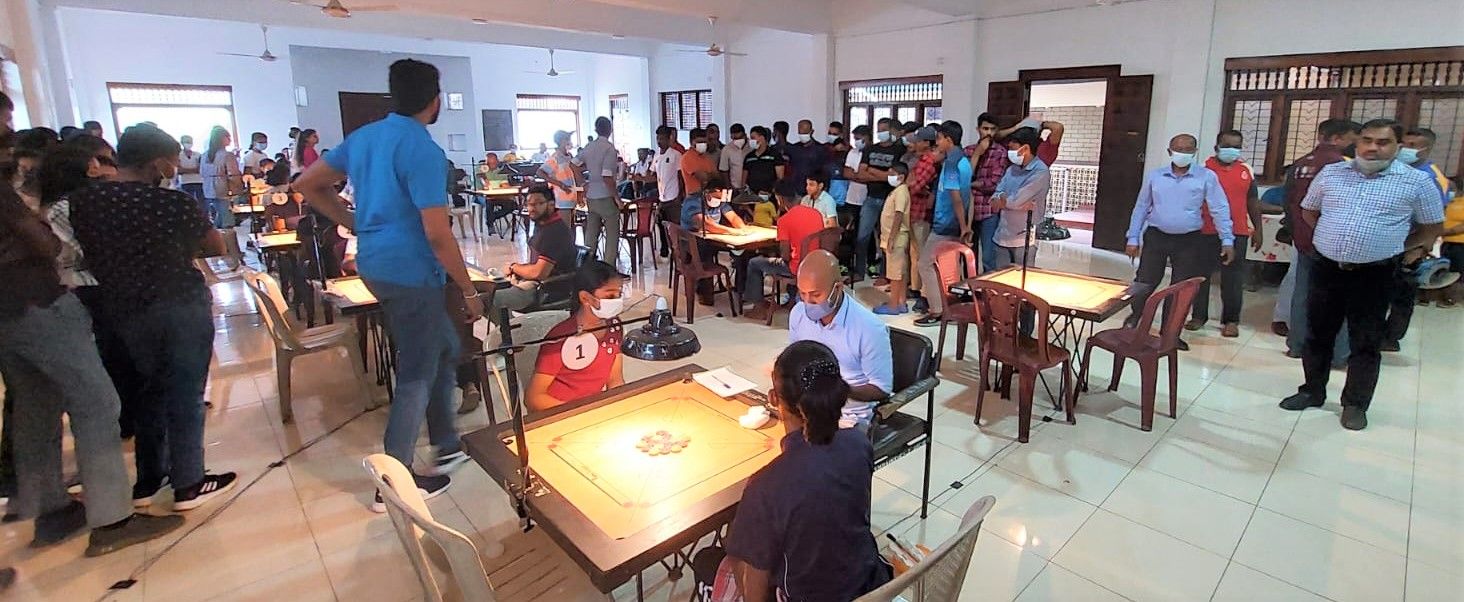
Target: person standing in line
(714, 145)
(857, 190)
(921, 181)
(1020, 198)
(1414, 152)
(990, 159)
(222, 178)
(305, 153)
(666, 173)
(601, 162)
(729, 161)
(407, 256)
(1166, 223)
(1244, 203)
(258, 141)
(874, 171)
(189, 179)
(1370, 215)
(950, 220)
(560, 172)
(894, 236)
(806, 156)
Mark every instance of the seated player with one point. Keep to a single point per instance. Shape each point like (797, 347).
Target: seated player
(708, 211)
(799, 221)
(551, 253)
(828, 314)
(802, 530)
(589, 371)
(284, 210)
(816, 186)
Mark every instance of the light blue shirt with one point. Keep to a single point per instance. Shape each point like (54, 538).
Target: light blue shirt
(860, 340)
(1366, 219)
(1172, 203)
(1025, 188)
(955, 174)
(397, 171)
(824, 204)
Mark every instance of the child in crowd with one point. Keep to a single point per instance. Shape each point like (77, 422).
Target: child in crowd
(894, 236)
(1453, 246)
(764, 211)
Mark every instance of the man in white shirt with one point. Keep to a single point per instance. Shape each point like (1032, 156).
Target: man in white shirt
(257, 143)
(666, 170)
(188, 177)
(601, 163)
(542, 155)
(730, 161)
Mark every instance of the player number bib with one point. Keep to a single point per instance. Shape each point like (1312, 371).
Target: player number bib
(579, 351)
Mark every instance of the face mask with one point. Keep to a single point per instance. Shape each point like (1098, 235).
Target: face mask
(858, 145)
(1181, 159)
(701, 147)
(884, 136)
(1228, 154)
(1408, 155)
(714, 201)
(739, 142)
(805, 138)
(259, 146)
(894, 180)
(820, 311)
(1371, 166)
(833, 135)
(608, 308)
(909, 140)
(1014, 156)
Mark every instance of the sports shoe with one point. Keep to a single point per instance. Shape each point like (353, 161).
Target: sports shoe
(1181, 345)
(921, 305)
(928, 320)
(131, 531)
(1194, 324)
(430, 486)
(142, 493)
(60, 524)
(212, 486)
(1280, 329)
(1301, 401)
(888, 310)
(447, 463)
(1230, 330)
(472, 398)
(1354, 418)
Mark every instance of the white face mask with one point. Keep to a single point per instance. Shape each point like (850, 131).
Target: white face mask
(1014, 156)
(1181, 159)
(701, 147)
(893, 179)
(858, 145)
(804, 138)
(739, 142)
(883, 136)
(608, 308)
(714, 200)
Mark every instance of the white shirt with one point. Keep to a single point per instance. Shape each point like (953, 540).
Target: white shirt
(252, 159)
(190, 162)
(857, 190)
(540, 157)
(667, 165)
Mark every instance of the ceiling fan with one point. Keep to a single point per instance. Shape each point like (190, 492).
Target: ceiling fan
(334, 8)
(265, 56)
(552, 72)
(714, 49)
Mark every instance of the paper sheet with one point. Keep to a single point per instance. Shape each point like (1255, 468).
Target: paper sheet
(723, 381)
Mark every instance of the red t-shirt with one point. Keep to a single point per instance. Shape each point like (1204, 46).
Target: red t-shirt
(1237, 182)
(795, 225)
(1047, 152)
(570, 384)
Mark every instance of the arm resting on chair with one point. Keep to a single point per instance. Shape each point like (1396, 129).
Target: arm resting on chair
(904, 396)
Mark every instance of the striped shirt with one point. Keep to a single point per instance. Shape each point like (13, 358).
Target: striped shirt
(1367, 218)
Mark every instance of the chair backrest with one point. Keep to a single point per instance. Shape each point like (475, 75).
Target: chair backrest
(272, 308)
(210, 277)
(951, 259)
(913, 355)
(826, 239)
(413, 522)
(640, 221)
(528, 327)
(1182, 295)
(684, 250)
(939, 577)
(999, 308)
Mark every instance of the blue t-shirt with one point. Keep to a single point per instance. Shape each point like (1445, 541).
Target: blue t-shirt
(955, 174)
(693, 206)
(397, 171)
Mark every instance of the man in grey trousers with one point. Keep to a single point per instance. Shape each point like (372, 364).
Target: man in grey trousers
(601, 162)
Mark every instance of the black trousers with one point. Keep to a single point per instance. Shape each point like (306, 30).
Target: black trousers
(1400, 306)
(1359, 294)
(1187, 253)
(1232, 281)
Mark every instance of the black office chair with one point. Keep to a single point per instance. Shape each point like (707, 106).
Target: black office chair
(894, 433)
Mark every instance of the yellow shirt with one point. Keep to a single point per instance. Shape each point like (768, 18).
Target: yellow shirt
(1454, 217)
(765, 214)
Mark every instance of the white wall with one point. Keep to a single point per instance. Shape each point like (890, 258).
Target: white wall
(782, 78)
(186, 49)
(875, 40)
(1083, 94)
(674, 68)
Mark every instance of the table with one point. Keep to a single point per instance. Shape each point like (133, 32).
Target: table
(755, 237)
(277, 242)
(509, 196)
(615, 509)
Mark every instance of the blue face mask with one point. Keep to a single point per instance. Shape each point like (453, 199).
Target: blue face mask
(1181, 159)
(820, 311)
(1408, 155)
(1228, 154)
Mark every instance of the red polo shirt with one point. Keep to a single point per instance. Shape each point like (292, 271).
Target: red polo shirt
(1298, 181)
(795, 225)
(1237, 181)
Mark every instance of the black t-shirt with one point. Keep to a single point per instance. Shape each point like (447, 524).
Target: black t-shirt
(805, 159)
(761, 169)
(139, 242)
(881, 156)
(553, 241)
(805, 518)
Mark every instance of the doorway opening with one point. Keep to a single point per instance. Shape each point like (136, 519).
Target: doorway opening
(1078, 106)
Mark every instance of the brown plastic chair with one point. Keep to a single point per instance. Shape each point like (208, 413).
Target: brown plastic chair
(686, 258)
(998, 311)
(825, 239)
(635, 229)
(1141, 345)
(951, 258)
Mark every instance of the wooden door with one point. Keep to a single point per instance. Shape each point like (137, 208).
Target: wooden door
(361, 108)
(1007, 101)
(1121, 159)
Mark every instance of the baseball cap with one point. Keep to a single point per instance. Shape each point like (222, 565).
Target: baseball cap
(561, 136)
(925, 133)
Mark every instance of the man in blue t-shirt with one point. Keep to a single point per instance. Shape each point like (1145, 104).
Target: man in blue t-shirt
(951, 219)
(407, 252)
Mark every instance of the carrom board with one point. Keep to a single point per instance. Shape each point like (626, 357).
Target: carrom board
(755, 236)
(592, 458)
(1076, 292)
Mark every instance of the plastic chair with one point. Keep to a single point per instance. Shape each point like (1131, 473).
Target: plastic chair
(291, 341)
(999, 309)
(940, 576)
(825, 239)
(636, 228)
(686, 257)
(1141, 345)
(525, 566)
(951, 258)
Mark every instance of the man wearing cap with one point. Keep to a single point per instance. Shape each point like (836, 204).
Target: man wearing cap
(560, 172)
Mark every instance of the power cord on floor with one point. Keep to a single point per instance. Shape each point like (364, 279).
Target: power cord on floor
(137, 573)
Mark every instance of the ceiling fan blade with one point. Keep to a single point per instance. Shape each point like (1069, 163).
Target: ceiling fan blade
(374, 8)
(252, 56)
(702, 51)
(725, 53)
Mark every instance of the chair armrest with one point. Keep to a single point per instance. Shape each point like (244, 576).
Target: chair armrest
(888, 407)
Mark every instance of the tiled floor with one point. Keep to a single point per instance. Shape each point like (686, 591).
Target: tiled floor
(1234, 500)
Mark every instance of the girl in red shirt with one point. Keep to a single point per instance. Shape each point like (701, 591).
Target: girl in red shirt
(587, 364)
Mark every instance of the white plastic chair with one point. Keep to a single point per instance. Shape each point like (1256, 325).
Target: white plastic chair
(292, 341)
(523, 566)
(939, 577)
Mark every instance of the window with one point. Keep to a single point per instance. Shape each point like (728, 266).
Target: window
(686, 109)
(907, 99)
(539, 116)
(620, 119)
(176, 109)
(1277, 102)
(11, 85)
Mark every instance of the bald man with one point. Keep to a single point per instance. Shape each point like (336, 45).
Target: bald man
(827, 313)
(1165, 227)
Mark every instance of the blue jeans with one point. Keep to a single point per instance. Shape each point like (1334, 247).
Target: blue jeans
(171, 342)
(868, 226)
(985, 239)
(757, 272)
(1303, 264)
(427, 349)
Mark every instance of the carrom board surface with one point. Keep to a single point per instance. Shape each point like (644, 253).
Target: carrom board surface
(756, 235)
(1073, 291)
(592, 460)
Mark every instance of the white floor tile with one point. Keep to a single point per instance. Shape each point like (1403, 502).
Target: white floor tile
(1320, 561)
(1437, 538)
(1071, 469)
(1239, 476)
(1138, 562)
(1427, 583)
(1057, 583)
(1350, 464)
(1244, 584)
(1028, 514)
(1345, 510)
(1190, 513)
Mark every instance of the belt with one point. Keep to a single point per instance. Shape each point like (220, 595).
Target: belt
(1347, 267)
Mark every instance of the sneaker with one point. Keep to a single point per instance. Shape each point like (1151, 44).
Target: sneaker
(928, 320)
(1293, 355)
(921, 305)
(1391, 346)
(447, 463)
(1194, 324)
(1301, 401)
(131, 531)
(58, 525)
(142, 493)
(472, 398)
(1280, 329)
(212, 486)
(1230, 330)
(891, 310)
(1354, 418)
(430, 486)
